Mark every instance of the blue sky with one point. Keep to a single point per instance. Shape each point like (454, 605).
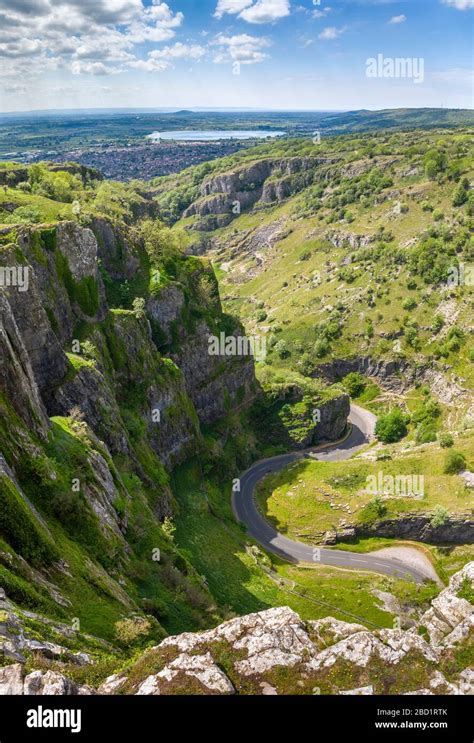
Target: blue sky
(274, 54)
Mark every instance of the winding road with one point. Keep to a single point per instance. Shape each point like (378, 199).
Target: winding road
(245, 509)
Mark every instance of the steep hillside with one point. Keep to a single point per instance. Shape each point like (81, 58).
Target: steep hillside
(350, 254)
(94, 417)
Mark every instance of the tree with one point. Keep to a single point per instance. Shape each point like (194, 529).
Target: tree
(354, 383)
(391, 427)
(434, 162)
(160, 242)
(460, 196)
(282, 349)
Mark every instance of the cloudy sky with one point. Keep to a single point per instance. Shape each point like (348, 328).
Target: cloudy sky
(274, 54)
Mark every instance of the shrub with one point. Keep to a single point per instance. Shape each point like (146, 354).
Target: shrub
(128, 631)
(374, 510)
(440, 516)
(409, 304)
(454, 463)
(321, 348)
(445, 440)
(466, 591)
(281, 349)
(354, 383)
(425, 433)
(138, 306)
(459, 196)
(391, 427)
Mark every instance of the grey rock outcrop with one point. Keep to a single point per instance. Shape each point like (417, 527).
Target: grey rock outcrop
(260, 646)
(38, 683)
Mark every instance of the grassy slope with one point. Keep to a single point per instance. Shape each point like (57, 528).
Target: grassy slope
(209, 537)
(297, 500)
(285, 287)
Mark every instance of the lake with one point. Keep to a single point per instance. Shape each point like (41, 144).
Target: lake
(211, 135)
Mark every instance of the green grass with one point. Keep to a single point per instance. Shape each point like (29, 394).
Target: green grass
(297, 501)
(49, 210)
(208, 536)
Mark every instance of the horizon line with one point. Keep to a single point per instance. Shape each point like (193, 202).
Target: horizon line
(212, 109)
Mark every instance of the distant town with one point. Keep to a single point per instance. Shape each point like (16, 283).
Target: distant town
(143, 161)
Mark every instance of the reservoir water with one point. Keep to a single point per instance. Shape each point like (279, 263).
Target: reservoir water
(189, 135)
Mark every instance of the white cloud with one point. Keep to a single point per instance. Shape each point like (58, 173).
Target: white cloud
(242, 48)
(179, 51)
(232, 7)
(254, 11)
(321, 13)
(90, 68)
(459, 4)
(150, 65)
(92, 37)
(398, 19)
(266, 11)
(331, 32)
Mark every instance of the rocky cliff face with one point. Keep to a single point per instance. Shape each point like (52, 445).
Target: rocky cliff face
(100, 400)
(276, 652)
(397, 375)
(418, 528)
(263, 182)
(66, 301)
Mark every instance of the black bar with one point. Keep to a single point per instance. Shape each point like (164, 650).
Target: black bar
(376, 718)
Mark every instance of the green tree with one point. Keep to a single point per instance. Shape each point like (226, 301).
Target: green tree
(391, 427)
(459, 196)
(160, 242)
(354, 383)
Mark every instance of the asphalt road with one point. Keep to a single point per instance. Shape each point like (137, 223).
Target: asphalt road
(245, 510)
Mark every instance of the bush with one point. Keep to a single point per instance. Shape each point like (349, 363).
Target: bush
(354, 383)
(459, 196)
(445, 440)
(281, 349)
(374, 510)
(391, 427)
(409, 304)
(128, 631)
(454, 463)
(425, 433)
(440, 516)
(321, 348)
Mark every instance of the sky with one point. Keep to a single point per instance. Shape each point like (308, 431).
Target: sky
(267, 54)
